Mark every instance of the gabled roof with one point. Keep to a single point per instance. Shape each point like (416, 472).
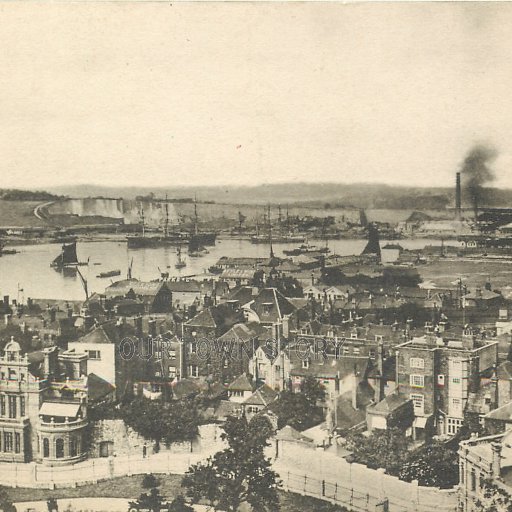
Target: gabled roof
(271, 305)
(241, 383)
(220, 316)
(184, 286)
(503, 413)
(203, 319)
(505, 370)
(106, 333)
(263, 396)
(390, 403)
(243, 332)
(119, 288)
(243, 294)
(184, 388)
(331, 367)
(98, 388)
(288, 433)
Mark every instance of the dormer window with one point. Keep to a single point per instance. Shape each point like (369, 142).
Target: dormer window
(267, 307)
(305, 364)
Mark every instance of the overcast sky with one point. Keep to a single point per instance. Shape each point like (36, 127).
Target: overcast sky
(157, 94)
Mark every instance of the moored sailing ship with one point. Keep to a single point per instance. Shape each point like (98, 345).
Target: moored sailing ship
(67, 258)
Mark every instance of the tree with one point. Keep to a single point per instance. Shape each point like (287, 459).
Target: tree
(149, 481)
(179, 505)
(495, 499)
(382, 449)
(312, 390)
(174, 422)
(295, 409)
(152, 501)
(5, 503)
(432, 465)
(238, 474)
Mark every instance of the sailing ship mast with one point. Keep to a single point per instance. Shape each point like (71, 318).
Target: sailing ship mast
(195, 215)
(270, 233)
(142, 219)
(166, 225)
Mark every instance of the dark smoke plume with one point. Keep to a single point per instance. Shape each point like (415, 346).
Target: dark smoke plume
(477, 173)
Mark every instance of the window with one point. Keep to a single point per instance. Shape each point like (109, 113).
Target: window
(417, 362)
(158, 374)
(17, 442)
(7, 441)
(357, 350)
(2, 405)
(440, 380)
(172, 353)
(59, 448)
(94, 354)
(46, 447)
(172, 371)
(12, 374)
(22, 406)
(473, 480)
(419, 403)
(12, 407)
(372, 353)
(456, 380)
(417, 381)
(305, 364)
(278, 369)
(353, 335)
(379, 337)
(453, 425)
(193, 347)
(193, 370)
(73, 447)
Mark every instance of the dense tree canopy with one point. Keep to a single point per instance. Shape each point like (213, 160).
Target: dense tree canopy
(381, 449)
(171, 422)
(238, 474)
(432, 465)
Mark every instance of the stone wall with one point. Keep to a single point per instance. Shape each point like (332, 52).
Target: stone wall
(123, 440)
(298, 462)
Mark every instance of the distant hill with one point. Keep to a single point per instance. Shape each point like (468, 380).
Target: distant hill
(14, 194)
(323, 195)
(317, 194)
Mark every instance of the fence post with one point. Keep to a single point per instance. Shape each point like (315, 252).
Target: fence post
(323, 487)
(336, 491)
(305, 482)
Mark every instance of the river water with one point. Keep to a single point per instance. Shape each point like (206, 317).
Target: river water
(28, 273)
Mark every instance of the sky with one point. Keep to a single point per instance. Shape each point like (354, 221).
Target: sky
(165, 94)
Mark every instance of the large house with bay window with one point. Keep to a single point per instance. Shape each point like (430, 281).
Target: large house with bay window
(43, 406)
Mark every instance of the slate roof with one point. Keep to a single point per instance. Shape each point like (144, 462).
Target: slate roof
(288, 433)
(241, 383)
(263, 396)
(98, 388)
(271, 305)
(120, 288)
(331, 367)
(389, 404)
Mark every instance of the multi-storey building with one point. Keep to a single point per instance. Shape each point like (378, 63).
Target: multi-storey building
(442, 378)
(43, 406)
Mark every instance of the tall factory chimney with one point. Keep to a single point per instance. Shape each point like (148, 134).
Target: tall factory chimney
(458, 200)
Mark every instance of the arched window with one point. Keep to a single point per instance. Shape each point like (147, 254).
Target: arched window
(59, 448)
(46, 447)
(73, 447)
(473, 480)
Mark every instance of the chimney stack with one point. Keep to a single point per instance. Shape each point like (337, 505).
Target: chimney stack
(458, 197)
